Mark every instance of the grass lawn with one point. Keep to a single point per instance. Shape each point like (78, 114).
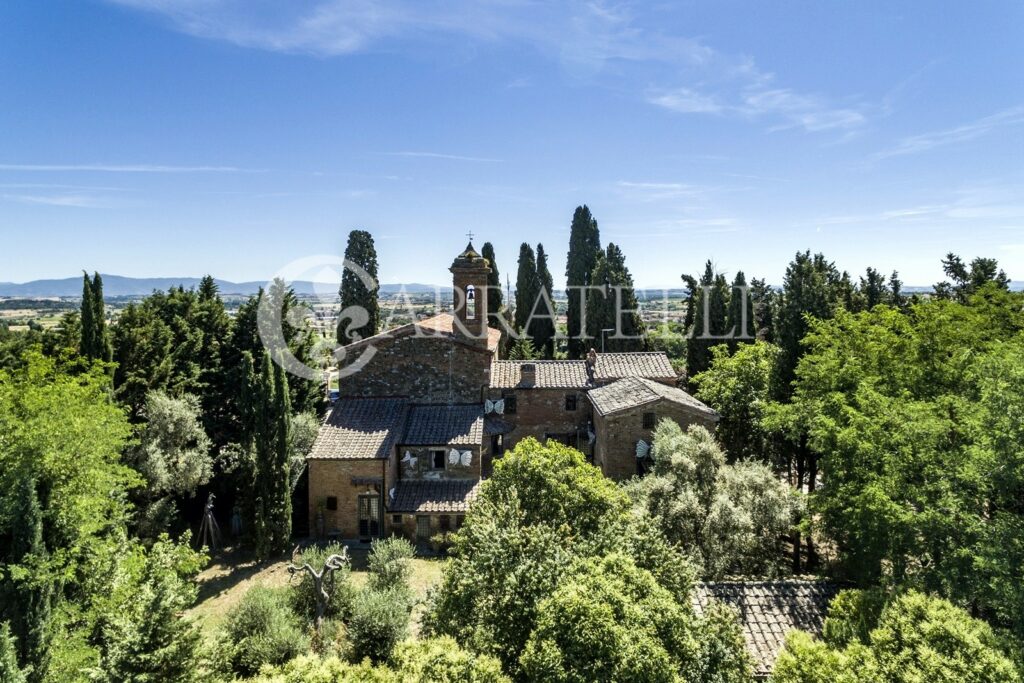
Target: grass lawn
(233, 571)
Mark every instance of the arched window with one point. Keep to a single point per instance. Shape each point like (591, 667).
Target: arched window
(470, 302)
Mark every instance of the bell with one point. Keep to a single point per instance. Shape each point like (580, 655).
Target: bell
(470, 293)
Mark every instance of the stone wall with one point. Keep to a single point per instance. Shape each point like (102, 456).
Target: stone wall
(540, 412)
(423, 468)
(617, 434)
(428, 369)
(334, 478)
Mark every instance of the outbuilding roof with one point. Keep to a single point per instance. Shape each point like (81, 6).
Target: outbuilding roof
(441, 495)
(572, 374)
(360, 428)
(444, 425)
(632, 392)
(768, 610)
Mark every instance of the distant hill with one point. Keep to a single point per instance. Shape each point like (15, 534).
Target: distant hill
(117, 285)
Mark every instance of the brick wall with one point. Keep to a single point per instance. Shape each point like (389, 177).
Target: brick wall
(426, 368)
(423, 468)
(542, 411)
(334, 478)
(615, 449)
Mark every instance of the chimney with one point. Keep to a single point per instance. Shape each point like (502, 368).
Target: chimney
(528, 374)
(591, 365)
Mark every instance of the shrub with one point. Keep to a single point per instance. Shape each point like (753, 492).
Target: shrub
(390, 563)
(260, 630)
(917, 638)
(441, 660)
(379, 621)
(338, 586)
(9, 671)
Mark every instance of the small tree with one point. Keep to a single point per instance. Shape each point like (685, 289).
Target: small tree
(261, 630)
(9, 670)
(379, 621)
(390, 563)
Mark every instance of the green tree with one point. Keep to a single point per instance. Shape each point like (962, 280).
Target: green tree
(728, 517)
(390, 563)
(916, 638)
(358, 300)
(873, 289)
(610, 621)
(764, 299)
(543, 327)
(584, 250)
(261, 630)
(967, 279)
(709, 320)
(379, 621)
(10, 672)
(495, 298)
(740, 320)
(88, 318)
(740, 388)
(614, 307)
(527, 288)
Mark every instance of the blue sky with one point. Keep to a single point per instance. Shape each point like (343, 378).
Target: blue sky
(180, 137)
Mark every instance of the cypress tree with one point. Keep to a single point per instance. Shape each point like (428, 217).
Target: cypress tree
(88, 318)
(896, 297)
(543, 332)
(495, 300)
(281, 511)
(740, 322)
(811, 286)
(264, 436)
(710, 304)
(616, 308)
(584, 250)
(361, 251)
(215, 395)
(527, 287)
(873, 289)
(763, 298)
(104, 348)
(30, 602)
(10, 672)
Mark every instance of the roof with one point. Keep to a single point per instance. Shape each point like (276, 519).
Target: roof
(436, 425)
(570, 374)
(441, 495)
(360, 428)
(440, 325)
(633, 392)
(768, 610)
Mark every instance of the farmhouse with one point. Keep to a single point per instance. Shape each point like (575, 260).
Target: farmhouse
(426, 409)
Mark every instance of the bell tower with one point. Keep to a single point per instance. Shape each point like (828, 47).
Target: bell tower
(469, 279)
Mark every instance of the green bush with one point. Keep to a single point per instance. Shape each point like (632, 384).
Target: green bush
(338, 586)
(917, 638)
(441, 660)
(379, 621)
(260, 630)
(390, 563)
(9, 671)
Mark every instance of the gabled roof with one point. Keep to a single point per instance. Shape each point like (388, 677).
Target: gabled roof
(441, 325)
(360, 428)
(633, 392)
(768, 610)
(572, 374)
(441, 495)
(444, 425)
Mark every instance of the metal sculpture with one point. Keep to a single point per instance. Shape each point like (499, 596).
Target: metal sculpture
(322, 597)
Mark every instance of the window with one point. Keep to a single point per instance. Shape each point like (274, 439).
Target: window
(649, 420)
(445, 522)
(422, 527)
(570, 401)
(332, 503)
(396, 520)
(510, 403)
(437, 459)
(459, 520)
(470, 302)
(497, 444)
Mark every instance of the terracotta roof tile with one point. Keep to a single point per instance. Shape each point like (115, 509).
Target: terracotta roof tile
(632, 392)
(566, 374)
(441, 425)
(768, 610)
(437, 496)
(442, 324)
(360, 428)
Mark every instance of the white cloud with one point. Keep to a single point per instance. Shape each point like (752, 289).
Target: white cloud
(83, 201)
(916, 144)
(687, 101)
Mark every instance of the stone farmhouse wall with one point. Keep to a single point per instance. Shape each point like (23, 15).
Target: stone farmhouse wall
(617, 434)
(426, 369)
(423, 468)
(334, 478)
(540, 412)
